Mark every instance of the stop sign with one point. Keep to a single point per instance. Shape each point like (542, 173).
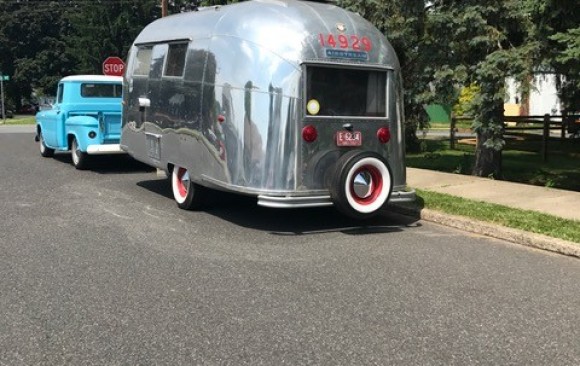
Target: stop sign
(113, 66)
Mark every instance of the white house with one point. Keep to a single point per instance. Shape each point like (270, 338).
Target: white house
(543, 97)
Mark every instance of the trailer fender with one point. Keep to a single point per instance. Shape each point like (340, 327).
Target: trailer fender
(361, 184)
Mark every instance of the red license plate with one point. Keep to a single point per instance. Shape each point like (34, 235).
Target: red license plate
(348, 138)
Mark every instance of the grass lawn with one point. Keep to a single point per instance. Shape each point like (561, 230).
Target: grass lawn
(521, 161)
(514, 218)
(463, 125)
(19, 119)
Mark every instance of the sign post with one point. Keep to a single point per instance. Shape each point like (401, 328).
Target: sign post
(113, 66)
(3, 78)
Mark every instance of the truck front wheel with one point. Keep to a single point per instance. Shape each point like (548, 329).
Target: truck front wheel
(44, 151)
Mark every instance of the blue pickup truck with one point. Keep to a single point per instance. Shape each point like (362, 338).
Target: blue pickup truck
(85, 120)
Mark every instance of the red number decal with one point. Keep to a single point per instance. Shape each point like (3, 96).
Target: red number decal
(355, 43)
(343, 41)
(331, 41)
(367, 44)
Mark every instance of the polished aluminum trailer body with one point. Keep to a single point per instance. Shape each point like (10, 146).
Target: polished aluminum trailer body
(224, 93)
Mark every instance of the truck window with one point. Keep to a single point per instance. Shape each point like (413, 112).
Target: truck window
(175, 59)
(93, 90)
(142, 61)
(346, 92)
(59, 93)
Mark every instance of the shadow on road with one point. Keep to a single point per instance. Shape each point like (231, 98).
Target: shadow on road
(108, 164)
(244, 211)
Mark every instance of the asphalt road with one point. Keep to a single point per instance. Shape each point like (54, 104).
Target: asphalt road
(99, 267)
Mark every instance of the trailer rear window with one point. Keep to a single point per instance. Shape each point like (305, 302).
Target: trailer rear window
(90, 90)
(346, 92)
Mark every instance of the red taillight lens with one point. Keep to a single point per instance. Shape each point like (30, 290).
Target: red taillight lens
(309, 133)
(384, 135)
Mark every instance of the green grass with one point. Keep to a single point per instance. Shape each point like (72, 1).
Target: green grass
(529, 221)
(19, 120)
(521, 161)
(464, 125)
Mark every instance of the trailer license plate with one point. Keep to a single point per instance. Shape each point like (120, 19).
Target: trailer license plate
(348, 138)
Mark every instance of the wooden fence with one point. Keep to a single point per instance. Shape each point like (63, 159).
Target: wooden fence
(565, 124)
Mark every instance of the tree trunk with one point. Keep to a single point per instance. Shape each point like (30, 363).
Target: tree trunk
(487, 160)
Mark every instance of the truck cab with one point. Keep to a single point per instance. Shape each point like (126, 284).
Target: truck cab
(85, 119)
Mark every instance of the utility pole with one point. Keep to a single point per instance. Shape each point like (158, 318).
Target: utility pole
(163, 8)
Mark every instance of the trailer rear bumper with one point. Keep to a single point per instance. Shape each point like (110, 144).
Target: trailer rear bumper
(322, 200)
(294, 201)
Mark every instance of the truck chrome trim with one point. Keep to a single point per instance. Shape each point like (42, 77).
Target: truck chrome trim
(104, 149)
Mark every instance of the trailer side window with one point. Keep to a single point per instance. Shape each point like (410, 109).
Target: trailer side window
(175, 59)
(142, 61)
(346, 92)
(157, 59)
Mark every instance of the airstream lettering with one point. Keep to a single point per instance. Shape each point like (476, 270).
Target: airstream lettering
(294, 102)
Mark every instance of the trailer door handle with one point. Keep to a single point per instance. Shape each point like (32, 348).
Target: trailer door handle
(348, 126)
(144, 102)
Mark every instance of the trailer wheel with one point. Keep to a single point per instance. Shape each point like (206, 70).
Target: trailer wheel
(79, 158)
(362, 184)
(44, 151)
(187, 194)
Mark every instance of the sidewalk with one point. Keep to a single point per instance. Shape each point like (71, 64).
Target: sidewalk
(556, 202)
(7, 128)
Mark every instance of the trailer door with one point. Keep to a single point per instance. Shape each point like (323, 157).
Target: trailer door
(138, 95)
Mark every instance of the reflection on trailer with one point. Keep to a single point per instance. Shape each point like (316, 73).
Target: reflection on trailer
(296, 103)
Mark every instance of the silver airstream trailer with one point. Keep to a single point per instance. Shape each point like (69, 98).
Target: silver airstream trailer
(296, 103)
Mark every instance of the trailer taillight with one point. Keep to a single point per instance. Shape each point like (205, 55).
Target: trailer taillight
(309, 133)
(384, 135)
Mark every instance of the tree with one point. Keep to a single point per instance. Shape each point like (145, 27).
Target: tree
(43, 41)
(403, 23)
(32, 46)
(567, 63)
(556, 28)
(103, 28)
(486, 41)
(448, 44)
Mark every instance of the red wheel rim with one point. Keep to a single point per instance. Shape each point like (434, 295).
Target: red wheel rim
(373, 178)
(181, 187)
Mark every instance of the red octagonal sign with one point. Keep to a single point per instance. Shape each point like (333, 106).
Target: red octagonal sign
(113, 66)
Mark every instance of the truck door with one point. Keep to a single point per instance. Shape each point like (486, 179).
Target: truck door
(52, 120)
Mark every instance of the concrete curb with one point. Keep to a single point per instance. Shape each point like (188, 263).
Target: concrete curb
(516, 236)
